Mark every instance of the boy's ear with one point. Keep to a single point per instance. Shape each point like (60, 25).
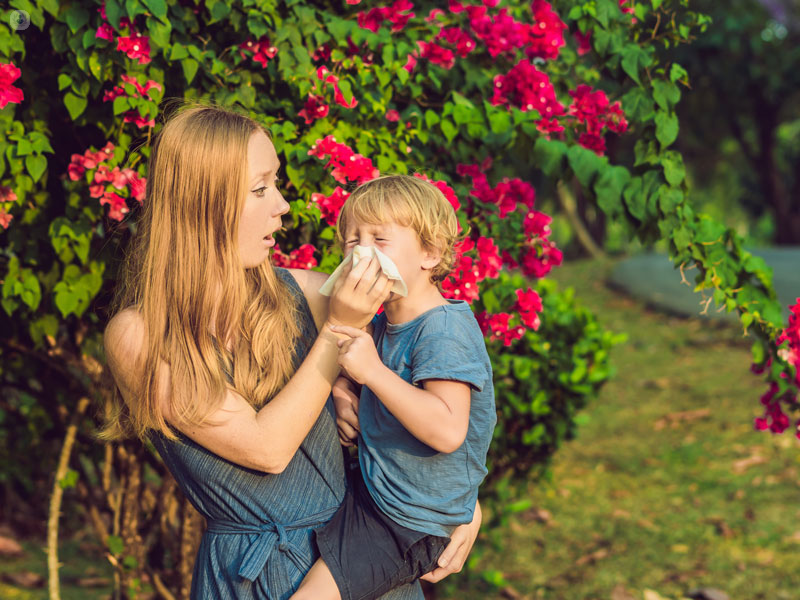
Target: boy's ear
(431, 257)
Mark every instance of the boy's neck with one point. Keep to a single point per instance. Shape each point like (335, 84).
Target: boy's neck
(403, 309)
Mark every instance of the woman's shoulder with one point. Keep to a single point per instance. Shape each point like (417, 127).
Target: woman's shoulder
(309, 283)
(123, 340)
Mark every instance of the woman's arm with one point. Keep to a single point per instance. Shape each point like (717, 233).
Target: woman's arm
(310, 282)
(266, 439)
(455, 555)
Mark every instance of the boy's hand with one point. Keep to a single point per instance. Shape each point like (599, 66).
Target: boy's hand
(345, 399)
(358, 355)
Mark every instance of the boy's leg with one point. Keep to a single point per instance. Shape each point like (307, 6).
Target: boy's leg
(318, 584)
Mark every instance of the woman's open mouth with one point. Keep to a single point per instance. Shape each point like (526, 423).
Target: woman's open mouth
(269, 241)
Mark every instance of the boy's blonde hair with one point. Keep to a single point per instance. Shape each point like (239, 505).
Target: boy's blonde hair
(409, 202)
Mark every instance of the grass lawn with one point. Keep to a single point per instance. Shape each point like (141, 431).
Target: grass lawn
(667, 488)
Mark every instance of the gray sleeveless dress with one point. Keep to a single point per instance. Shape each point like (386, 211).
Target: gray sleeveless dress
(259, 541)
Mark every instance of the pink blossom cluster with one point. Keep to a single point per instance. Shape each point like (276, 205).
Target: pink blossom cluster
(133, 116)
(628, 10)
(330, 206)
(301, 258)
(6, 195)
(459, 38)
(325, 76)
(119, 179)
(788, 342)
(504, 326)
(345, 164)
(546, 35)
(467, 273)
(501, 33)
(8, 92)
(262, 50)
(398, 14)
(528, 88)
(135, 45)
(592, 110)
(538, 253)
(314, 108)
(791, 336)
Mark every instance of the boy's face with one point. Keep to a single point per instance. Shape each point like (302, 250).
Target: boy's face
(401, 244)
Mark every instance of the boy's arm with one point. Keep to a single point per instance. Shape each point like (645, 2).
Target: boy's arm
(437, 415)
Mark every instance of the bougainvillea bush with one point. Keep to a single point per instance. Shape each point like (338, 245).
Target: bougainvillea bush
(494, 102)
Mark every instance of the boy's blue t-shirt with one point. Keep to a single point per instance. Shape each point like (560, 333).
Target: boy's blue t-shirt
(418, 487)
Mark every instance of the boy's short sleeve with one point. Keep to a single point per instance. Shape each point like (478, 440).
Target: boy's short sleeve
(449, 352)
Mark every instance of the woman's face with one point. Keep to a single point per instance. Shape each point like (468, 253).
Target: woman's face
(264, 204)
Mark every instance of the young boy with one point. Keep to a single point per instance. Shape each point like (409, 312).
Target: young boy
(426, 410)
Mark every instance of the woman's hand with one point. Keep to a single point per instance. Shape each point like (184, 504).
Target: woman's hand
(345, 400)
(358, 294)
(455, 555)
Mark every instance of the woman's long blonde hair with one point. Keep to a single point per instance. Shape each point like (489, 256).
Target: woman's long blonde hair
(184, 265)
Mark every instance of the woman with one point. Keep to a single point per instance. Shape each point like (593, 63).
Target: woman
(226, 364)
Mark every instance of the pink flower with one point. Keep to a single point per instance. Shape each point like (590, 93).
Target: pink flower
(140, 121)
(437, 54)
(593, 141)
(529, 305)
(489, 261)
(116, 204)
(527, 88)
(345, 164)
(315, 108)
(584, 42)
(301, 258)
(354, 1)
(135, 46)
(262, 50)
(392, 115)
(330, 206)
(5, 218)
(7, 194)
(105, 32)
(8, 93)
(324, 75)
(434, 14)
(459, 38)
(374, 18)
(546, 35)
(138, 185)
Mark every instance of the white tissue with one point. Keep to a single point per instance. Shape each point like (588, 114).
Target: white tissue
(359, 252)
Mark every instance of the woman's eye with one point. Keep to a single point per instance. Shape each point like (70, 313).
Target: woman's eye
(260, 191)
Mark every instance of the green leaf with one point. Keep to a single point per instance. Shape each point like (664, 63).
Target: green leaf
(669, 198)
(159, 32)
(638, 105)
(609, 186)
(115, 545)
(190, 67)
(178, 52)
(121, 104)
(69, 480)
(29, 291)
(549, 156)
(666, 128)
(632, 57)
(75, 104)
(157, 7)
(36, 166)
(402, 75)
(500, 121)
(585, 164)
(64, 81)
(677, 72)
(666, 93)
(431, 118)
(346, 89)
(656, 4)
(448, 129)
(674, 170)
(76, 17)
(635, 198)
(114, 12)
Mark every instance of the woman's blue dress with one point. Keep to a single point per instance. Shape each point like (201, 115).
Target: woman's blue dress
(259, 541)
